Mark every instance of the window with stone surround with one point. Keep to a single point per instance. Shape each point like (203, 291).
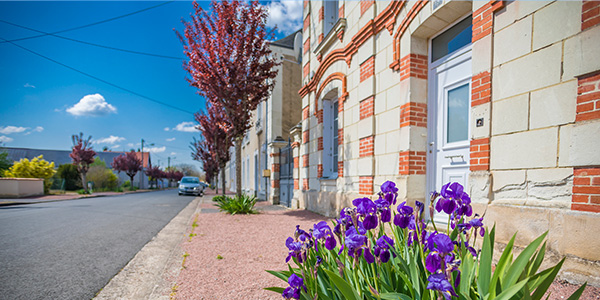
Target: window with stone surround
(331, 11)
(330, 139)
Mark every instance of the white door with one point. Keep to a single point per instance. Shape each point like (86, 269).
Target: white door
(449, 110)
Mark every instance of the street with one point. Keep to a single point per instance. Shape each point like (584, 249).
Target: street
(71, 249)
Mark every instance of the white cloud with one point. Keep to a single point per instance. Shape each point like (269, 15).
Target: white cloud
(12, 129)
(167, 129)
(130, 145)
(156, 149)
(186, 127)
(27, 85)
(38, 129)
(173, 153)
(5, 139)
(286, 15)
(116, 146)
(92, 105)
(170, 140)
(109, 140)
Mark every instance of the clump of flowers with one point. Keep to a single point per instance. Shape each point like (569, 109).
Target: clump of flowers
(377, 252)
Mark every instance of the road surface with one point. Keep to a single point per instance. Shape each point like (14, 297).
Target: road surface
(71, 249)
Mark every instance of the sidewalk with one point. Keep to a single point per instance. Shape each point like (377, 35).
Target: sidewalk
(61, 197)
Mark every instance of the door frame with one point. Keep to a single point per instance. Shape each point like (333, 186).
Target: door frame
(451, 59)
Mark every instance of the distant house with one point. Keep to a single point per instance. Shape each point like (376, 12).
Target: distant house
(60, 157)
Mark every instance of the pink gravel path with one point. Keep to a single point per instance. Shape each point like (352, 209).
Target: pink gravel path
(249, 245)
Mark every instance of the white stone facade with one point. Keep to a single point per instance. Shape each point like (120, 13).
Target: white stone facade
(533, 118)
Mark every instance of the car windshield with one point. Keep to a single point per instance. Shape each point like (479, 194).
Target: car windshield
(190, 180)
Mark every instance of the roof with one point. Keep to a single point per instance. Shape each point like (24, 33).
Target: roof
(288, 41)
(60, 157)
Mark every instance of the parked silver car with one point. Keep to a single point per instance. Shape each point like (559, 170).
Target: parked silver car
(190, 185)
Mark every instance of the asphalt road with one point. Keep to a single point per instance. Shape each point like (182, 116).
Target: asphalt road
(71, 249)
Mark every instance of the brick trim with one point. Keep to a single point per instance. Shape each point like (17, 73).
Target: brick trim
(320, 116)
(483, 19)
(320, 170)
(306, 69)
(365, 5)
(480, 154)
(321, 37)
(385, 19)
(305, 161)
(296, 162)
(410, 16)
(342, 11)
(481, 88)
(296, 184)
(590, 14)
(275, 183)
(413, 65)
(367, 68)
(365, 185)
(341, 136)
(588, 98)
(320, 143)
(275, 167)
(321, 13)
(412, 162)
(341, 168)
(305, 136)
(306, 46)
(586, 190)
(367, 107)
(305, 113)
(305, 185)
(366, 146)
(413, 114)
(306, 24)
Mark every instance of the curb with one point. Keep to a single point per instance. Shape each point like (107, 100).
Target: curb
(151, 273)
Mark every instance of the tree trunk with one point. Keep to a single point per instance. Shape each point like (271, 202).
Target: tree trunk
(216, 183)
(238, 166)
(84, 182)
(131, 180)
(223, 179)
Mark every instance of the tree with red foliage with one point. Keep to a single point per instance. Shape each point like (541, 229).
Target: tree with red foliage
(230, 62)
(213, 149)
(82, 155)
(155, 173)
(128, 163)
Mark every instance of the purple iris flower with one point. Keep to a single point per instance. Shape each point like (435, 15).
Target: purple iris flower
(383, 206)
(384, 243)
(389, 191)
(364, 206)
(478, 223)
(355, 242)
(322, 231)
(295, 249)
(301, 234)
(389, 187)
(293, 291)
(405, 215)
(440, 283)
(439, 245)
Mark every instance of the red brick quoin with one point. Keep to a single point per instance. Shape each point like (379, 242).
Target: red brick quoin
(412, 162)
(413, 65)
(365, 185)
(367, 69)
(341, 168)
(305, 184)
(366, 146)
(588, 98)
(586, 189)
(366, 108)
(480, 154)
(481, 88)
(590, 14)
(305, 136)
(413, 114)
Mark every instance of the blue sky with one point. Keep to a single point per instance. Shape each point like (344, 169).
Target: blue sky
(44, 103)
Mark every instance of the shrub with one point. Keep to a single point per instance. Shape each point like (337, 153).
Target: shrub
(70, 175)
(219, 198)
(102, 177)
(36, 168)
(236, 205)
(385, 255)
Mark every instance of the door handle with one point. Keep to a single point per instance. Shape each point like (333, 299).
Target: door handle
(452, 157)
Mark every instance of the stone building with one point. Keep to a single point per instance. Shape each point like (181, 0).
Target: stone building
(270, 132)
(503, 97)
